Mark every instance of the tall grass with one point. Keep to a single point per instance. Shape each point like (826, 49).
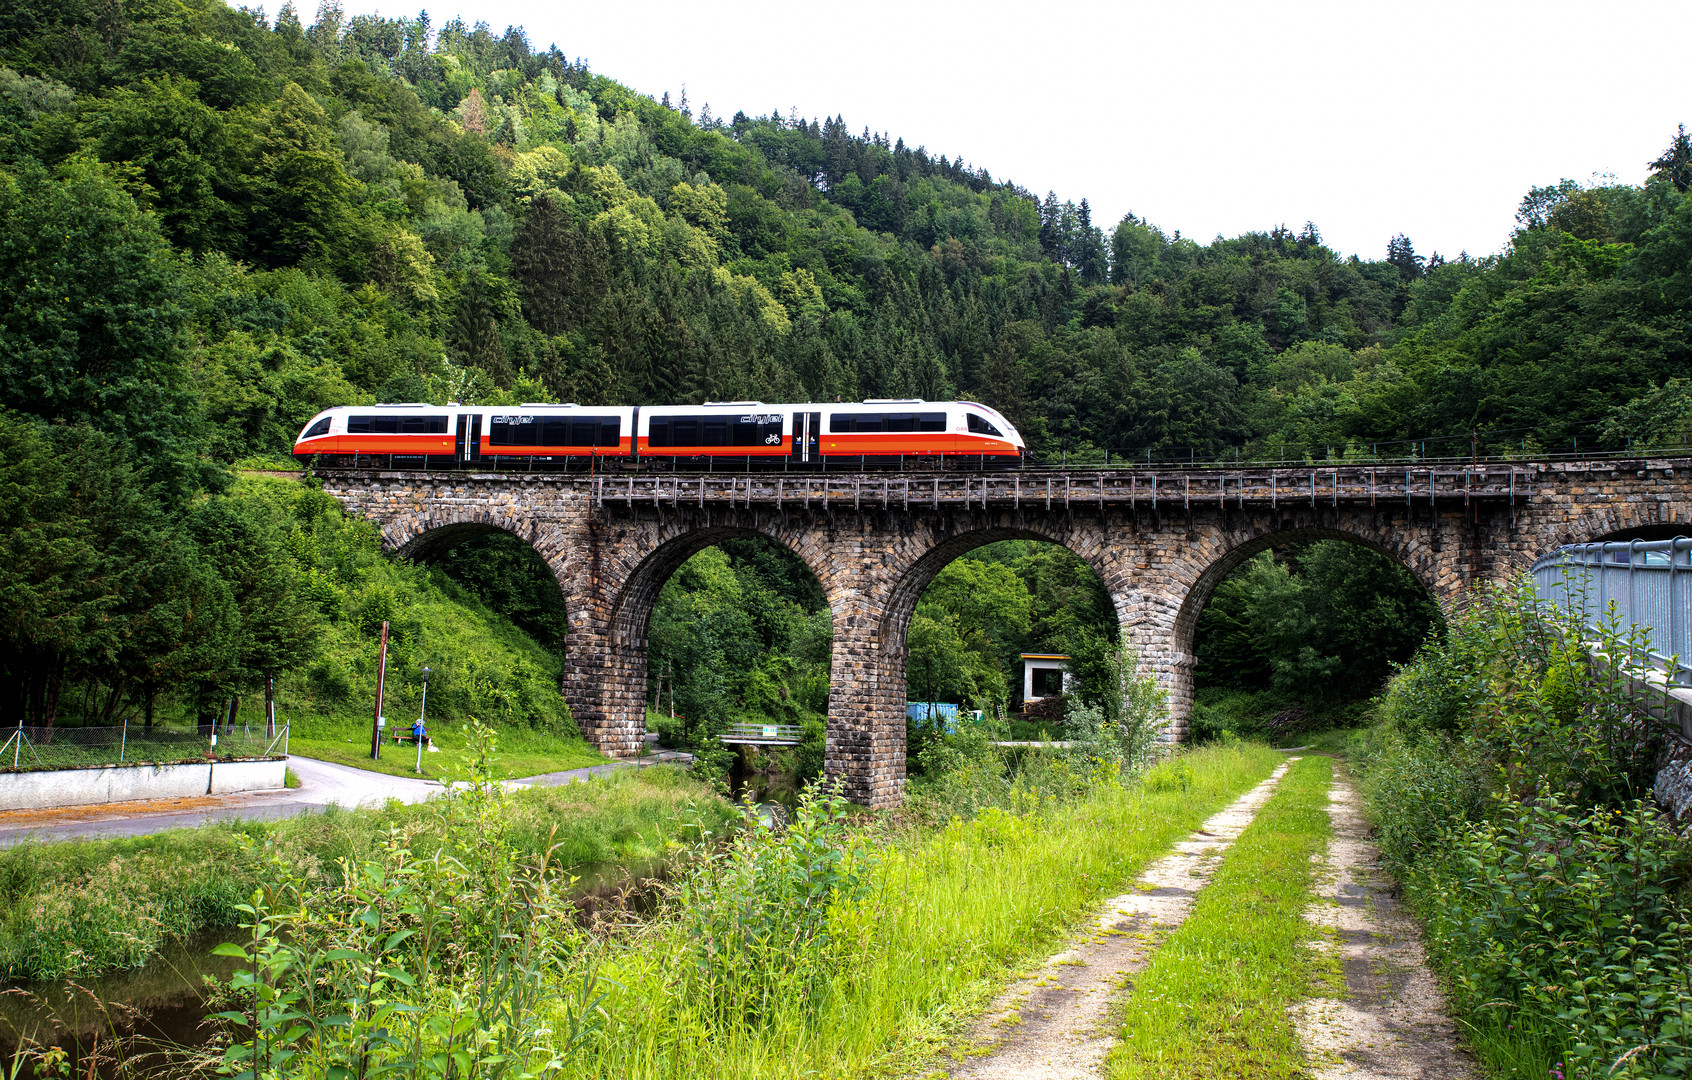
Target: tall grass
(944, 916)
(83, 907)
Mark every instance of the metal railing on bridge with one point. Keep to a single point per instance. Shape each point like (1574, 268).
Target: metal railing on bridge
(762, 734)
(1648, 581)
(1077, 488)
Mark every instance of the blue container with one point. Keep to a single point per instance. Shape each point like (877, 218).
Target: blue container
(927, 712)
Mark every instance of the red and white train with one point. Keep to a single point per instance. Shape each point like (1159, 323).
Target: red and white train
(880, 431)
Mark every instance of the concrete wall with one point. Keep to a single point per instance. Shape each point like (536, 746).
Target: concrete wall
(43, 789)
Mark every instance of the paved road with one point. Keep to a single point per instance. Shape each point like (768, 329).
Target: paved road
(322, 784)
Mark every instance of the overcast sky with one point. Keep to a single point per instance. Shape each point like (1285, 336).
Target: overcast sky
(1427, 118)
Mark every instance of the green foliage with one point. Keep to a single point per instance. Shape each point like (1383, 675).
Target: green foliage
(738, 630)
(481, 665)
(950, 903)
(81, 908)
(1321, 621)
(437, 966)
(1507, 795)
(758, 911)
(1122, 732)
(94, 330)
(1571, 915)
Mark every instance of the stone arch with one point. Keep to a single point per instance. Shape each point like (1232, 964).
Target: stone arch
(422, 543)
(920, 571)
(1198, 593)
(631, 606)
(1645, 532)
(1611, 525)
(873, 608)
(605, 667)
(1422, 564)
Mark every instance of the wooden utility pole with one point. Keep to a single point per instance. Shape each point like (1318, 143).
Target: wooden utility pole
(381, 682)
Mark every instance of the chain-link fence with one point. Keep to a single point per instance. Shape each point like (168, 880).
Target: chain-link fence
(28, 747)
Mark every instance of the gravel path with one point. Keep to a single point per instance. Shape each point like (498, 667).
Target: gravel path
(1392, 1022)
(1054, 1025)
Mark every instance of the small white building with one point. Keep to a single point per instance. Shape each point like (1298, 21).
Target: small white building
(1045, 675)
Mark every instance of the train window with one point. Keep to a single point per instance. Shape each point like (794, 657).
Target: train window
(979, 425)
(319, 428)
(513, 431)
(396, 425)
(928, 421)
(554, 431)
(674, 431)
(859, 423)
(758, 429)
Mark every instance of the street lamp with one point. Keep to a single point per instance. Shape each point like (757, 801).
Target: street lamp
(422, 713)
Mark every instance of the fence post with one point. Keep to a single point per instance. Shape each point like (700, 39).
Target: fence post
(123, 745)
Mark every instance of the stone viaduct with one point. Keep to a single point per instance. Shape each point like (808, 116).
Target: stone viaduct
(1160, 540)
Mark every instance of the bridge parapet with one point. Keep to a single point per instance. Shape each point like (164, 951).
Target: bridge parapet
(1044, 489)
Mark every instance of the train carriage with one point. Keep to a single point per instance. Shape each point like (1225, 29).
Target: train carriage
(874, 433)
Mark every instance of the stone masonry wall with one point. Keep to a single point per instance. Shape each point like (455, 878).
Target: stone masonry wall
(1160, 565)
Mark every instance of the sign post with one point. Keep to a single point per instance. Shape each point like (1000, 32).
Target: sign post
(381, 683)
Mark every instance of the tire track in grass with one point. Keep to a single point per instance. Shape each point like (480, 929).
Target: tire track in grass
(1054, 1025)
(1392, 1022)
(1215, 1001)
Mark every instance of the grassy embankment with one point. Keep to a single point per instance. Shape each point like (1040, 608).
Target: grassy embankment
(82, 907)
(523, 753)
(482, 665)
(949, 914)
(1215, 1000)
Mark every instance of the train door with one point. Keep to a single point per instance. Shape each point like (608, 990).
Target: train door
(807, 433)
(469, 439)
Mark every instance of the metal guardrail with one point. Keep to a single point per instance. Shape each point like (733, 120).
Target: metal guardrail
(1293, 457)
(1075, 489)
(763, 734)
(1650, 583)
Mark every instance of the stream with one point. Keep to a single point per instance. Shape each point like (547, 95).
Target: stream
(149, 1017)
(149, 1022)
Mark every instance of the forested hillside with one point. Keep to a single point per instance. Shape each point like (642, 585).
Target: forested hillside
(377, 208)
(214, 223)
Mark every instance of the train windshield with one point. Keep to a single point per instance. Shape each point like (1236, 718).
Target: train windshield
(980, 425)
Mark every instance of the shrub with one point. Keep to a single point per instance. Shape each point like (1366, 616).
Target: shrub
(757, 912)
(439, 965)
(1572, 914)
(1505, 794)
